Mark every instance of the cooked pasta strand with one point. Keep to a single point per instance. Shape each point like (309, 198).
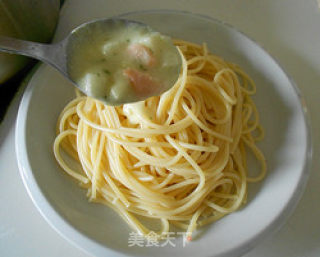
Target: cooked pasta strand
(179, 158)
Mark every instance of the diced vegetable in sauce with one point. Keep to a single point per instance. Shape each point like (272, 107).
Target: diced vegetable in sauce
(142, 83)
(142, 54)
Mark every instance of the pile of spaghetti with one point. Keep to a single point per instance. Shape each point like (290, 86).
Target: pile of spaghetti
(179, 158)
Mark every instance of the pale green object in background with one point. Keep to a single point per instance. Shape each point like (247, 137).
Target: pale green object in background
(33, 20)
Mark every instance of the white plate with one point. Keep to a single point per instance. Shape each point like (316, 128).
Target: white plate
(96, 228)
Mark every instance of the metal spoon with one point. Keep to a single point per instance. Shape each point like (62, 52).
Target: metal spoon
(57, 54)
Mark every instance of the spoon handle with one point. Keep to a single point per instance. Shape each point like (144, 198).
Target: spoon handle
(50, 54)
(22, 47)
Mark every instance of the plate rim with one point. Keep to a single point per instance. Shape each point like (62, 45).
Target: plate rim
(90, 246)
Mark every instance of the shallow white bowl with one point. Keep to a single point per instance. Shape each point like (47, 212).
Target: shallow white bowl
(96, 228)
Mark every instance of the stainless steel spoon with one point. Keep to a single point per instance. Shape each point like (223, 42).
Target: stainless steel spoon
(57, 54)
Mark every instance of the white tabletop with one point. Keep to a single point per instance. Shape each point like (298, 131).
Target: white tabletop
(288, 29)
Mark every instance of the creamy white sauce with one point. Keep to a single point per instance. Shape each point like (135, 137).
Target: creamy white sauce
(99, 60)
(136, 111)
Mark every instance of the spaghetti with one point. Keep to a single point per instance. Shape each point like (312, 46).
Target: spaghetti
(179, 158)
